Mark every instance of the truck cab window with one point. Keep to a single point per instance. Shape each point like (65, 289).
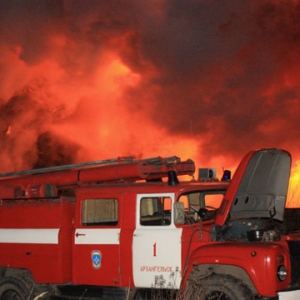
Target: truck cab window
(211, 200)
(99, 212)
(155, 211)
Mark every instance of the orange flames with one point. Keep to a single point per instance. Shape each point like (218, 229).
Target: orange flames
(93, 80)
(293, 199)
(91, 113)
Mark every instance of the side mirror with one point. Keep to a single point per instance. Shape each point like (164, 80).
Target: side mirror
(178, 213)
(202, 213)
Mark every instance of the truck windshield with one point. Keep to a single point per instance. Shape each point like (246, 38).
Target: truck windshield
(193, 201)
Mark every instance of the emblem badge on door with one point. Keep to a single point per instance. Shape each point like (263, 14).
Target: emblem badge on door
(96, 257)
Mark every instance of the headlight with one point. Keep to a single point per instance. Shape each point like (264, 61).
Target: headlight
(281, 273)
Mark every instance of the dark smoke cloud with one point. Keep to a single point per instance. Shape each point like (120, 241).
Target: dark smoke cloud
(225, 70)
(53, 152)
(224, 73)
(24, 122)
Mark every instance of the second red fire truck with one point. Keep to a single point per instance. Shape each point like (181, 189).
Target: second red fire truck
(126, 228)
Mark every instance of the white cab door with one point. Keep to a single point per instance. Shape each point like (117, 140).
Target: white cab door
(156, 243)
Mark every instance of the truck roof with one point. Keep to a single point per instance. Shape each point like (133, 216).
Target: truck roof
(159, 187)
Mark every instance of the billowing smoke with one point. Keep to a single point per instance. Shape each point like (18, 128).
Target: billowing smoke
(207, 80)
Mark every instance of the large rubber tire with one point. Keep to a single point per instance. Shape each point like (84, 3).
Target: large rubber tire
(14, 289)
(217, 287)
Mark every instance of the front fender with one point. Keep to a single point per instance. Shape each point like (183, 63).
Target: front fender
(258, 260)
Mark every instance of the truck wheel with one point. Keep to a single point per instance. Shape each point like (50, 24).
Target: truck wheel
(217, 287)
(13, 289)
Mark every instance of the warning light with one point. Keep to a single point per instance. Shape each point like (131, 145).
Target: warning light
(172, 178)
(226, 175)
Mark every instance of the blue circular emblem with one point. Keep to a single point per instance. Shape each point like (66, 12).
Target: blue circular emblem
(96, 257)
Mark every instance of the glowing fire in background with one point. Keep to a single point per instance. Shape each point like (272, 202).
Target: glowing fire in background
(89, 80)
(294, 191)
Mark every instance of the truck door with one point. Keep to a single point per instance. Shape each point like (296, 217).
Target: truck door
(156, 243)
(97, 240)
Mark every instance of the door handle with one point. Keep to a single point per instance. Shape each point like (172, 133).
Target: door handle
(77, 234)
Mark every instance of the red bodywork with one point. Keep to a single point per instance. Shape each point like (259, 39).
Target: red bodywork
(69, 249)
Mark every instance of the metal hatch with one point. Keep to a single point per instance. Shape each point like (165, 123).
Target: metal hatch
(258, 188)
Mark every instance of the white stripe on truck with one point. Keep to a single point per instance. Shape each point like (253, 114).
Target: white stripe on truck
(97, 236)
(50, 236)
(29, 236)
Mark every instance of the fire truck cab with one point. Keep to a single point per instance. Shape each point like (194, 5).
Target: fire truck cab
(126, 228)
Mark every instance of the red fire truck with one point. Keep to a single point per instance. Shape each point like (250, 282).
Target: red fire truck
(127, 228)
